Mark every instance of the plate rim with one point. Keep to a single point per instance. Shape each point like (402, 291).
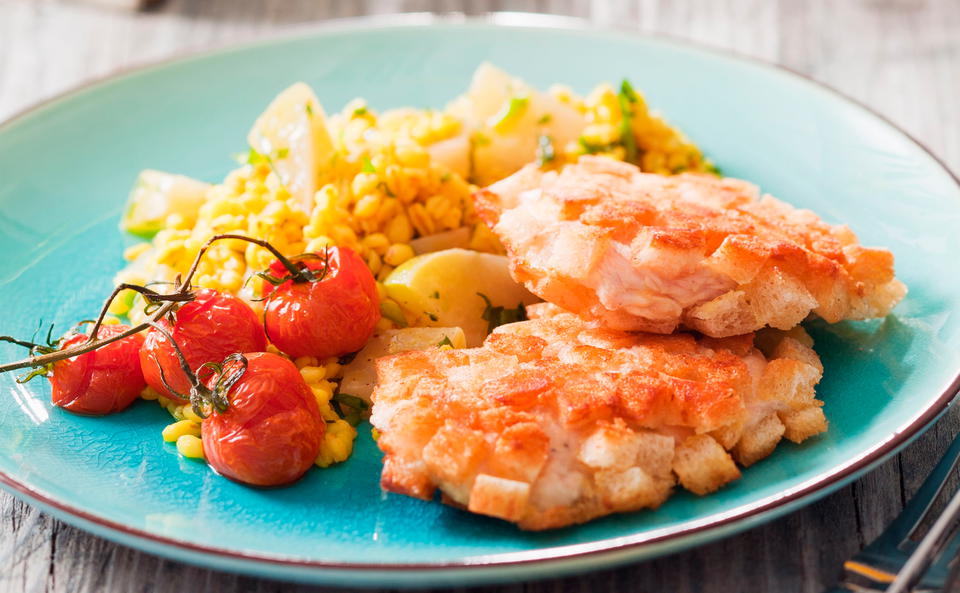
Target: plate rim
(626, 547)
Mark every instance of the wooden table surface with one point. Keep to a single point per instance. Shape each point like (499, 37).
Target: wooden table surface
(901, 57)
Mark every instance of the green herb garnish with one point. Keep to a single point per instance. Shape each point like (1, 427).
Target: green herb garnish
(445, 342)
(591, 148)
(392, 311)
(510, 112)
(357, 407)
(367, 166)
(627, 97)
(497, 316)
(545, 153)
(382, 186)
(255, 157)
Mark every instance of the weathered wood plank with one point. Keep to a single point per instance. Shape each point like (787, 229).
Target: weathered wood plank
(28, 543)
(902, 57)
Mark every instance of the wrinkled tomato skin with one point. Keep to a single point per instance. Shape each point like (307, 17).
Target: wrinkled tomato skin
(271, 432)
(100, 382)
(207, 329)
(329, 317)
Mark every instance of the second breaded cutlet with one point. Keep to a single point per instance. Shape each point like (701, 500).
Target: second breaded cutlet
(552, 422)
(643, 252)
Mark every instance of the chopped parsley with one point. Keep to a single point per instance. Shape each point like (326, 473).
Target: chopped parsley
(592, 148)
(497, 316)
(435, 294)
(544, 119)
(251, 157)
(510, 113)
(392, 311)
(255, 157)
(545, 153)
(626, 90)
(445, 342)
(309, 109)
(627, 98)
(356, 406)
(367, 166)
(386, 189)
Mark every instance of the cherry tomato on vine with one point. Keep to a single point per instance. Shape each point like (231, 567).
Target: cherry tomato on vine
(332, 315)
(208, 329)
(105, 380)
(271, 431)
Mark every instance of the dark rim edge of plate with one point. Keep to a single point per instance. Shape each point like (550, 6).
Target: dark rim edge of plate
(813, 489)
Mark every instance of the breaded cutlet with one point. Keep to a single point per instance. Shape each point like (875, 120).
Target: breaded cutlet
(552, 422)
(641, 252)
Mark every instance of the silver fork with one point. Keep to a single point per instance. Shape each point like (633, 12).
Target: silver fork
(895, 563)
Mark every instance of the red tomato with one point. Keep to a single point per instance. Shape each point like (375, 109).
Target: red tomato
(271, 432)
(102, 381)
(207, 329)
(329, 317)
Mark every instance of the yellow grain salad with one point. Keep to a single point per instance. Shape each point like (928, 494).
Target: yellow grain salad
(390, 185)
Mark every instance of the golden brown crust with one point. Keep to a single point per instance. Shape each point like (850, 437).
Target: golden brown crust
(553, 422)
(643, 252)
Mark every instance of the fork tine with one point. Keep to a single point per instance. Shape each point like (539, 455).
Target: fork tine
(886, 555)
(953, 579)
(922, 557)
(942, 568)
(950, 552)
(918, 506)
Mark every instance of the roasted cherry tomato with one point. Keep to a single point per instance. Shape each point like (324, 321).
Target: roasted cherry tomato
(271, 431)
(102, 381)
(208, 329)
(331, 316)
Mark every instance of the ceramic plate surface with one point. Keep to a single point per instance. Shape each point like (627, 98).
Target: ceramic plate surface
(65, 170)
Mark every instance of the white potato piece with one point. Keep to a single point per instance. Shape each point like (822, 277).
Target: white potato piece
(439, 241)
(156, 195)
(506, 118)
(360, 374)
(453, 153)
(293, 134)
(442, 289)
(488, 89)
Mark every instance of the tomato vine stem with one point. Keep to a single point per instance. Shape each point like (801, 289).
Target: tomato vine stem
(152, 296)
(298, 273)
(23, 343)
(200, 395)
(182, 293)
(88, 346)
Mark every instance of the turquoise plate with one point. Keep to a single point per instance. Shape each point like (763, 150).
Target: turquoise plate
(66, 167)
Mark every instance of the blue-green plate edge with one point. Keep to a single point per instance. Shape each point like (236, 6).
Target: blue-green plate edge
(541, 563)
